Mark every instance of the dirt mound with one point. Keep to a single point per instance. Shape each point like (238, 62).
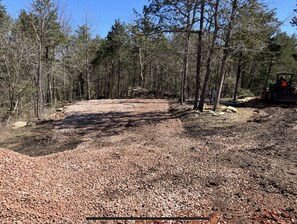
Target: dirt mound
(30, 191)
(139, 92)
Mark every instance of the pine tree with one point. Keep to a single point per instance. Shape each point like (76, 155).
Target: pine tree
(47, 35)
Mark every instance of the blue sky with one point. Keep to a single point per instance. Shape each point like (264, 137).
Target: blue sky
(284, 10)
(103, 13)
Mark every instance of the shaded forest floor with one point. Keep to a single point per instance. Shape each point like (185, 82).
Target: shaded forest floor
(152, 158)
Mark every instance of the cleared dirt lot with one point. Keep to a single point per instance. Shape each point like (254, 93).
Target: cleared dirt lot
(148, 158)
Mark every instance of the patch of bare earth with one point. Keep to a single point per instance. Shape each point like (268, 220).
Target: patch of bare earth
(259, 145)
(134, 158)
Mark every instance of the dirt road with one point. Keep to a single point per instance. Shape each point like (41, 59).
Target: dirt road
(135, 158)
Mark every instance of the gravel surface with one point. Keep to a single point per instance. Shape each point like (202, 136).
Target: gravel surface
(134, 158)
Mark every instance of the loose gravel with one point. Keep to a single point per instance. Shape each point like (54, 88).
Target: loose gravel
(134, 159)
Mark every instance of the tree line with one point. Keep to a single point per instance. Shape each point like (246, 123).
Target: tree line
(186, 48)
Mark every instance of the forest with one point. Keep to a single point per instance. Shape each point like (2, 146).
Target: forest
(183, 49)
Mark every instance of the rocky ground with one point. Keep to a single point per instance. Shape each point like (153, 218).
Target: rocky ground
(151, 158)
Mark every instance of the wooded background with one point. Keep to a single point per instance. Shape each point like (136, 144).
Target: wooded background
(178, 48)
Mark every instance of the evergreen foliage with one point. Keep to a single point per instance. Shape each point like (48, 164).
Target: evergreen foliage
(42, 63)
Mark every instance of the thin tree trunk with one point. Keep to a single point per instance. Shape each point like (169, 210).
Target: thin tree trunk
(199, 55)
(50, 92)
(111, 79)
(98, 86)
(151, 77)
(209, 59)
(54, 92)
(12, 111)
(237, 77)
(206, 79)
(225, 54)
(191, 17)
(253, 68)
(269, 71)
(39, 84)
(80, 90)
(119, 69)
(185, 68)
(64, 80)
(81, 86)
(134, 73)
(88, 79)
(141, 67)
(10, 89)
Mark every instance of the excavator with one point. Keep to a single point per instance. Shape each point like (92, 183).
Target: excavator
(283, 90)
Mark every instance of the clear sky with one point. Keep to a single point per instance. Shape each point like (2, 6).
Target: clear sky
(284, 10)
(103, 13)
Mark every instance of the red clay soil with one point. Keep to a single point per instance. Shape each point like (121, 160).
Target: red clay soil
(135, 158)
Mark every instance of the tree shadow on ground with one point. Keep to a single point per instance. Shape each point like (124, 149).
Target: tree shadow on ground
(110, 123)
(37, 140)
(41, 139)
(259, 104)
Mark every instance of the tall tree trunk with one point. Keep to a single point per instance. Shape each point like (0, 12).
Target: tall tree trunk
(48, 79)
(269, 70)
(141, 62)
(39, 84)
(111, 80)
(206, 79)
(64, 80)
(225, 54)
(237, 76)
(119, 69)
(209, 59)
(252, 72)
(49, 94)
(81, 86)
(54, 96)
(98, 85)
(9, 82)
(88, 85)
(199, 54)
(151, 77)
(185, 68)
(134, 73)
(88, 73)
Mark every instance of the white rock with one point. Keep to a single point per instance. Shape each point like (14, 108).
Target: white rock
(230, 109)
(19, 124)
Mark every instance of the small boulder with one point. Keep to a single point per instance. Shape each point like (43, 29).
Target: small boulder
(19, 124)
(229, 109)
